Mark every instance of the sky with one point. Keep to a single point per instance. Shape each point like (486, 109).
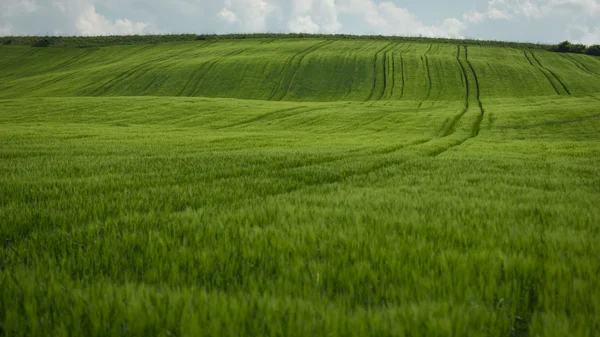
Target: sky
(547, 21)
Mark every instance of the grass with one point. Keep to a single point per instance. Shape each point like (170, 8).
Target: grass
(344, 188)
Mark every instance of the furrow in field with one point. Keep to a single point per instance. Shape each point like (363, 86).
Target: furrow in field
(474, 94)
(104, 88)
(450, 128)
(477, 125)
(392, 75)
(72, 60)
(578, 64)
(158, 81)
(385, 73)
(190, 79)
(391, 71)
(282, 75)
(281, 91)
(50, 82)
(426, 63)
(402, 75)
(375, 59)
(448, 148)
(260, 117)
(402, 72)
(353, 76)
(198, 84)
(134, 74)
(196, 72)
(297, 68)
(542, 71)
(551, 72)
(19, 58)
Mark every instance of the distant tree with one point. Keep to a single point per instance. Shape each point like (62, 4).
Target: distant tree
(578, 48)
(45, 42)
(563, 47)
(593, 50)
(568, 47)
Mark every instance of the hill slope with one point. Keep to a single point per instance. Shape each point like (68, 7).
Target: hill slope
(359, 188)
(309, 70)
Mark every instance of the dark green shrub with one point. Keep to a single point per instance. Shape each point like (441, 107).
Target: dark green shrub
(578, 48)
(593, 50)
(45, 42)
(563, 47)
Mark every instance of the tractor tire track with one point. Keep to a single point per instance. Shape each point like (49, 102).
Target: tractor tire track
(72, 60)
(163, 80)
(261, 117)
(287, 67)
(298, 68)
(465, 79)
(393, 76)
(190, 79)
(283, 73)
(210, 65)
(477, 125)
(579, 65)
(375, 57)
(392, 70)
(551, 72)
(356, 70)
(385, 71)
(543, 73)
(19, 58)
(134, 74)
(353, 76)
(124, 75)
(404, 50)
(425, 60)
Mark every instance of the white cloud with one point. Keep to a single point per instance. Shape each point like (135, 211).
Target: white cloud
(6, 30)
(10, 7)
(583, 14)
(314, 16)
(249, 15)
(388, 19)
(583, 34)
(304, 24)
(538, 9)
(62, 17)
(90, 22)
(474, 16)
(497, 14)
(228, 16)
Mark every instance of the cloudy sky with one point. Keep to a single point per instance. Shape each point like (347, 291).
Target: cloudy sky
(515, 20)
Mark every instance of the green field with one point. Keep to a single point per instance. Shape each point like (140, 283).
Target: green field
(301, 187)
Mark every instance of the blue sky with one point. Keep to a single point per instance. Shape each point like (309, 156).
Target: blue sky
(515, 20)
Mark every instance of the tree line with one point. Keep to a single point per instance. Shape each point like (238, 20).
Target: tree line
(568, 47)
(103, 41)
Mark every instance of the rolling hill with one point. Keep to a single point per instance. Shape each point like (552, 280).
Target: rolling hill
(299, 187)
(297, 70)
